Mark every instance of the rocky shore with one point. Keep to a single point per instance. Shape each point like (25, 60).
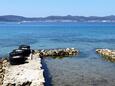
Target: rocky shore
(107, 54)
(3, 64)
(57, 52)
(28, 74)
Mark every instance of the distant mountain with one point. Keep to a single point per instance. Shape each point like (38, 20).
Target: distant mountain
(12, 18)
(68, 18)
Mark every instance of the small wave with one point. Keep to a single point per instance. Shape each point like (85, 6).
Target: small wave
(76, 40)
(15, 42)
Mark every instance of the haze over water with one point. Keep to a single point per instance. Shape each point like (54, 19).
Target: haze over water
(87, 69)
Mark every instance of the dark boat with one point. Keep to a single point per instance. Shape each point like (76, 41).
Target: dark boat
(26, 49)
(18, 56)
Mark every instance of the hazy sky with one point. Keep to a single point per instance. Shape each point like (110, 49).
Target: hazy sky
(37, 8)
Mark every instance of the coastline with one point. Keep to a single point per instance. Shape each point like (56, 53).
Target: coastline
(34, 71)
(29, 73)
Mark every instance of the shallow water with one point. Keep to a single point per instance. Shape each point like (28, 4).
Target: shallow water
(78, 71)
(87, 69)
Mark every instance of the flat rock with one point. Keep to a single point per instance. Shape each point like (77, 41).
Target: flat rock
(28, 74)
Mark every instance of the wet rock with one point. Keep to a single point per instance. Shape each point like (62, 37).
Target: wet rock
(61, 53)
(107, 54)
(57, 52)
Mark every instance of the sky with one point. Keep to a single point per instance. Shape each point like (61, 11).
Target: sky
(43, 8)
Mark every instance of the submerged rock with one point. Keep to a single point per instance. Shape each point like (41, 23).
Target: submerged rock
(107, 54)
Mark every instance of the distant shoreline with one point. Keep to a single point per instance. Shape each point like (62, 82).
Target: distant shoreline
(68, 18)
(22, 22)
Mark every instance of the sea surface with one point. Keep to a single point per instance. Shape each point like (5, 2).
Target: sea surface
(86, 69)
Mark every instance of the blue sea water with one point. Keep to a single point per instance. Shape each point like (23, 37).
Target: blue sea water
(87, 69)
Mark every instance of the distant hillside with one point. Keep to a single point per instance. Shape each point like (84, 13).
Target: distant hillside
(11, 18)
(68, 18)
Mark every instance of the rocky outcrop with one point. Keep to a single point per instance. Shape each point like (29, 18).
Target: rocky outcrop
(1, 73)
(57, 52)
(3, 65)
(30, 73)
(107, 54)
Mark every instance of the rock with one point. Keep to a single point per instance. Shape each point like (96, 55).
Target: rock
(107, 54)
(61, 53)
(113, 52)
(27, 74)
(1, 79)
(9, 84)
(1, 83)
(26, 83)
(57, 52)
(0, 66)
(3, 65)
(5, 61)
(53, 53)
(1, 70)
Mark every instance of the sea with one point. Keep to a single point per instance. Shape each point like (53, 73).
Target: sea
(86, 69)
